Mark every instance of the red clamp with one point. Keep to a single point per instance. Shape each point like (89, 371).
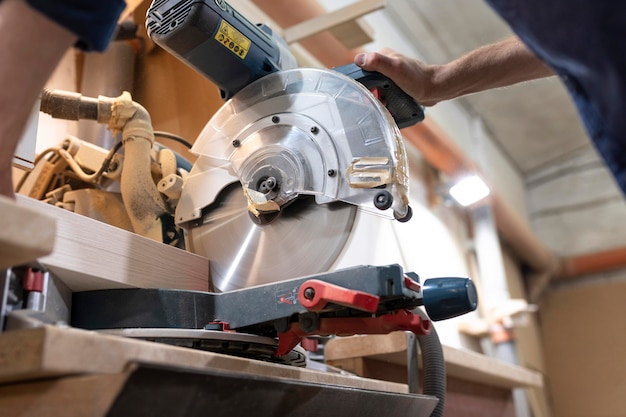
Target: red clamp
(33, 281)
(315, 295)
(387, 323)
(412, 284)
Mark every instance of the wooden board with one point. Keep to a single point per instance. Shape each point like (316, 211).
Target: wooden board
(344, 20)
(50, 351)
(25, 233)
(584, 336)
(462, 364)
(91, 255)
(79, 396)
(166, 390)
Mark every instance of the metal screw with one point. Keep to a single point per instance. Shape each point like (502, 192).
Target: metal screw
(315, 130)
(383, 200)
(332, 173)
(307, 323)
(275, 119)
(268, 185)
(309, 293)
(221, 4)
(236, 143)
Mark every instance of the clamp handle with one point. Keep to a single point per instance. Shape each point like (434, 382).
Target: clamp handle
(315, 294)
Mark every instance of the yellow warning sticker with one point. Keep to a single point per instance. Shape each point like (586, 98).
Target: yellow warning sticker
(232, 39)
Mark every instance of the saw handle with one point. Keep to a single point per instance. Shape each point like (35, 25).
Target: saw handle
(404, 110)
(445, 298)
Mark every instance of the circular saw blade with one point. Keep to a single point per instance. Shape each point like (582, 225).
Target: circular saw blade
(305, 239)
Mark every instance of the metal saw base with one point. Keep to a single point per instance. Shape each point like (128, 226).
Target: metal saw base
(230, 343)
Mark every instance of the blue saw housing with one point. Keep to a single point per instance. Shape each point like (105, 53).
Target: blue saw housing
(217, 41)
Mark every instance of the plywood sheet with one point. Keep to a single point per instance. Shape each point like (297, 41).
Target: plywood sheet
(25, 233)
(91, 255)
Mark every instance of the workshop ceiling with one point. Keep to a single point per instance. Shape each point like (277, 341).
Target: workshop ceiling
(535, 123)
(573, 203)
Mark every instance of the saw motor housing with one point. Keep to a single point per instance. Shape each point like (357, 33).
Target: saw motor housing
(218, 42)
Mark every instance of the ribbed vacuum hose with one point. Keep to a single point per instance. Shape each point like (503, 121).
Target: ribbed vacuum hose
(434, 367)
(144, 204)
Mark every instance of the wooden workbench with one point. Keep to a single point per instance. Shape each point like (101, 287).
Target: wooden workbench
(477, 386)
(53, 371)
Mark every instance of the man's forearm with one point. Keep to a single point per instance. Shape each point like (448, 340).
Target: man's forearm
(28, 58)
(504, 63)
(501, 64)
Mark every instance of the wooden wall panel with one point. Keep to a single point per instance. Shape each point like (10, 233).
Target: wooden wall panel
(528, 339)
(584, 335)
(179, 100)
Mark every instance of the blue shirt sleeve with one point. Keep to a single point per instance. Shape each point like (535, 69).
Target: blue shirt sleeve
(585, 43)
(93, 21)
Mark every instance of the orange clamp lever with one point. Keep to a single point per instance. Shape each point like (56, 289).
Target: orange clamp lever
(315, 295)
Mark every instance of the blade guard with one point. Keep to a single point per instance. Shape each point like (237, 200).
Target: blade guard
(315, 132)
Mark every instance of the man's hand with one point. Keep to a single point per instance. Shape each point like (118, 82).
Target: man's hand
(414, 77)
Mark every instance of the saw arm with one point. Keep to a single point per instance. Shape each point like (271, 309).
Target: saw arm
(360, 300)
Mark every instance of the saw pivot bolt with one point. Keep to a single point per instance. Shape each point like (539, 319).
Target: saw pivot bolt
(383, 200)
(309, 322)
(267, 185)
(309, 293)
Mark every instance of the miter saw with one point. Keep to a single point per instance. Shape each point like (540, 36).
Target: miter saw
(283, 169)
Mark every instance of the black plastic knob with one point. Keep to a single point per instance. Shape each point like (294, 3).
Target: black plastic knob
(445, 298)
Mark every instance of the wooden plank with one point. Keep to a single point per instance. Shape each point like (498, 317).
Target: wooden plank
(473, 366)
(25, 233)
(253, 13)
(79, 396)
(460, 363)
(473, 399)
(91, 255)
(53, 352)
(331, 20)
(353, 33)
